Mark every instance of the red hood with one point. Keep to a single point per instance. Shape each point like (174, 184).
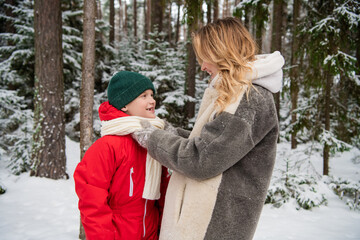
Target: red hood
(109, 112)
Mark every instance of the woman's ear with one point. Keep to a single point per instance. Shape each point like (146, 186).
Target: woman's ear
(124, 109)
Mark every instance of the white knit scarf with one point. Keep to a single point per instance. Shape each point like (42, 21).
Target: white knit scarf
(127, 125)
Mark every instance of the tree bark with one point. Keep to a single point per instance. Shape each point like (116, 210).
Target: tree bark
(120, 19)
(48, 152)
(6, 25)
(87, 83)
(226, 8)
(112, 23)
(149, 16)
(169, 27)
(146, 19)
(208, 13)
(294, 78)
(157, 15)
(326, 150)
(216, 10)
(177, 34)
(125, 20)
(276, 45)
(328, 86)
(194, 13)
(135, 18)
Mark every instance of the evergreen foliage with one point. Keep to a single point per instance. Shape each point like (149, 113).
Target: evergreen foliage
(329, 33)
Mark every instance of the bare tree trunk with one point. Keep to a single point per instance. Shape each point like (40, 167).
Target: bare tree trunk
(149, 24)
(157, 14)
(125, 20)
(48, 152)
(259, 29)
(120, 19)
(135, 18)
(226, 8)
(277, 33)
(294, 86)
(146, 19)
(112, 23)
(358, 51)
(8, 27)
(194, 13)
(247, 18)
(177, 34)
(328, 86)
(208, 13)
(216, 10)
(326, 150)
(87, 83)
(169, 28)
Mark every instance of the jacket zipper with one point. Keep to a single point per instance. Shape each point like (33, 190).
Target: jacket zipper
(131, 191)
(144, 218)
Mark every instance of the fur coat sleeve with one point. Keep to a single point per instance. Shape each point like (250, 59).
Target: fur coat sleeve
(222, 143)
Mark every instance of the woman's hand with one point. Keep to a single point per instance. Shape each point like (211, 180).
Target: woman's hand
(142, 135)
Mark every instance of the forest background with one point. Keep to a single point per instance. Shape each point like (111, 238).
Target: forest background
(56, 59)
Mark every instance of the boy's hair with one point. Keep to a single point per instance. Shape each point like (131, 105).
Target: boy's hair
(125, 86)
(227, 44)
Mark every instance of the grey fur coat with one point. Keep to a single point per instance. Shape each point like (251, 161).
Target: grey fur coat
(223, 168)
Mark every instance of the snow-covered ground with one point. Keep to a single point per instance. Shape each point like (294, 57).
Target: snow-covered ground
(42, 209)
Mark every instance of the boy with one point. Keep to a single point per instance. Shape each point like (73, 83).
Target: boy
(117, 183)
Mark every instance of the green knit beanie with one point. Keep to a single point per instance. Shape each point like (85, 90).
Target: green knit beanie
(125, 86)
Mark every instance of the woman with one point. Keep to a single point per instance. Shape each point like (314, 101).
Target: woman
(223, 168)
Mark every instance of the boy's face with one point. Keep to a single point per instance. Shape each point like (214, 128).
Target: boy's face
(142, 106)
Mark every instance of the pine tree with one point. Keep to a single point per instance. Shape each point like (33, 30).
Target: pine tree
(16, 74)
(324, 62)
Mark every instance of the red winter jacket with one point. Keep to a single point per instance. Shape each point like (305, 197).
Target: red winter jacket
(109, 182)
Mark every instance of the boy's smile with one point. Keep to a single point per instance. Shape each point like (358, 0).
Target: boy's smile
(142, 106)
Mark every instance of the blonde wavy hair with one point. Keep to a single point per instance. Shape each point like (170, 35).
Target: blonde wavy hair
(229, 45)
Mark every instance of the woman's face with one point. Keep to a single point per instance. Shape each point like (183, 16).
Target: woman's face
(210, 68)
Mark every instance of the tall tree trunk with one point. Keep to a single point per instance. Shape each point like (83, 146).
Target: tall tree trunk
(247, 18)
(48, 153)
(120, 19)
(226, 9)
(194, 13)
(277, 33)
(125, 27)
(135, 18)
(177, 34)
(157, 14)
(169, 27)
(99, 35)
(8, 27)
(294, 78)
(148, 10)
(112, 23)
(208, 13)
(259, 27)
(87, 83)
(328, 87)
(146, 18)
(326, 150)
(216, 10)
(358, 50)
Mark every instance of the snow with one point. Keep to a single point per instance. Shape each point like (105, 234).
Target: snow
(42, 209)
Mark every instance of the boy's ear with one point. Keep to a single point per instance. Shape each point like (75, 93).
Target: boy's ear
(124, 109)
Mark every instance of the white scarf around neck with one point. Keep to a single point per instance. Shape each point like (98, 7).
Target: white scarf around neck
(127, 125)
